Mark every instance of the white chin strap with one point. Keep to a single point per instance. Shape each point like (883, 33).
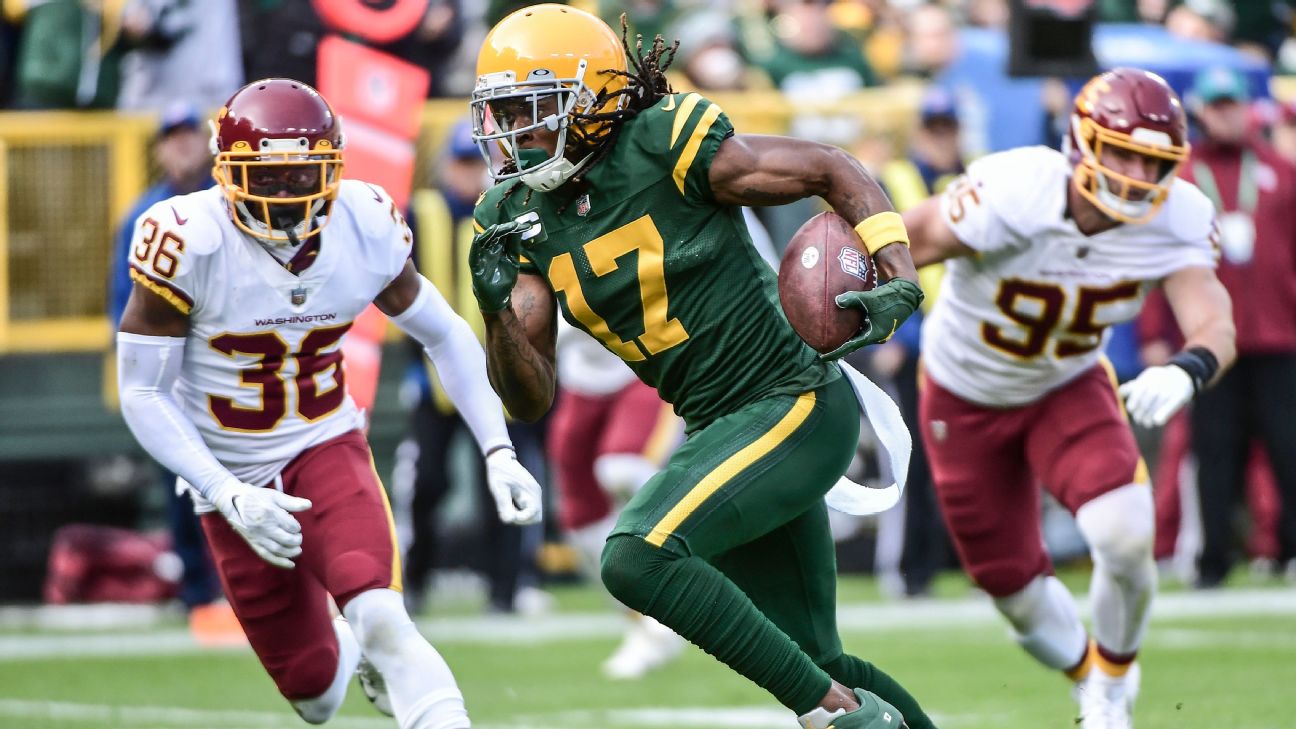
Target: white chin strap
(552, 174)
(275, 236)
(1128, 208)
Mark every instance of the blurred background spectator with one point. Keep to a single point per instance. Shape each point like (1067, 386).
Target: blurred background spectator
(934, 159)
(280, 38)
(506, 554)
(1254, 191)
(67, 54)
(1283, 131)
(179, 51)
(709, 58)
(1204, 20)
(181, 153)
(812, 58)
(433, 43)
(932, 40)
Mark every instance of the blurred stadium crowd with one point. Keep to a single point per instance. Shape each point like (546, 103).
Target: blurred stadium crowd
(145, 54)
(914, 89)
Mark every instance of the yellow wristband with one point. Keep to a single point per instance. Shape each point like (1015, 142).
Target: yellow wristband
(882, 229)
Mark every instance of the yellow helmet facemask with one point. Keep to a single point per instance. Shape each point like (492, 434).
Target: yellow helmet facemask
(540, 69)
(1121, 197)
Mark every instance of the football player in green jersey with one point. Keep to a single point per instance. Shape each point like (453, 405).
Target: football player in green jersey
(619, 204)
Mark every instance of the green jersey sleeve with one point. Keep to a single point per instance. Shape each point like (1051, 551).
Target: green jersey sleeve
(683, 132)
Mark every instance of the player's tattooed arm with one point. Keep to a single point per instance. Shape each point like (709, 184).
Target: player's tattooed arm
(520, 349)
(754, 169)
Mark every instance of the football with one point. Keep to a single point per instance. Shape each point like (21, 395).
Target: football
(824, 258)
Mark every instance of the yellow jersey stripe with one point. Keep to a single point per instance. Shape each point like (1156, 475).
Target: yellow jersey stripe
(477, 227)
(694, 144)
(682, 116)
(167, 294)
(1141, 474)
(731, 468)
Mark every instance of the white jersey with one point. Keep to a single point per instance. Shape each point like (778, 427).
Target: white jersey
(585, 366)
(262, 375)
(1030, 311)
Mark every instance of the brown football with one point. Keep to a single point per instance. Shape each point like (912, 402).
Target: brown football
(824, 258)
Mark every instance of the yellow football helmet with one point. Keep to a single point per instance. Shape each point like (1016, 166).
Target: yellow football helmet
(538, 68)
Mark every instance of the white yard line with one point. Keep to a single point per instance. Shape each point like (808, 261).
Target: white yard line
(174, 717)
(1191, 638)
(728, 717)
(135, 716)
(496, 630)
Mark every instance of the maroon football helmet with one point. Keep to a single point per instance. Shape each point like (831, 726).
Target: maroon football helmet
(278, 148)
(1134, 110)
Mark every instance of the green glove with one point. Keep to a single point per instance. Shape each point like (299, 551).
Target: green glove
(885, 309)
(493, 263)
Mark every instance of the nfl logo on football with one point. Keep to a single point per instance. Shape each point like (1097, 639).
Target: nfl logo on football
(852, 263)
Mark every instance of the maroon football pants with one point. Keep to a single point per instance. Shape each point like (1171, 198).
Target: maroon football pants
(348, 547)
(988, 465)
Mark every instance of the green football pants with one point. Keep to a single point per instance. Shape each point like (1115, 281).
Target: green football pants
(745, 494)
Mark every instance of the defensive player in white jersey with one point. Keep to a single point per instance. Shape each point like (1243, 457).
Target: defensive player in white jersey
(231, 376)
(1046, 251)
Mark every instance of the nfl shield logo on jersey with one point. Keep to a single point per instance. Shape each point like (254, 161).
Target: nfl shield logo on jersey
(852, 263)
(298, 296)
(583, 206)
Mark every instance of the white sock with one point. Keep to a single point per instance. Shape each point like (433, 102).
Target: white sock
(588, 542)
(1045, 622)
(1119, 528)
(322, 708)
(423, 692)
(623, 474)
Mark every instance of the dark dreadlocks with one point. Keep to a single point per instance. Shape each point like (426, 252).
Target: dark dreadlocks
(646, 84)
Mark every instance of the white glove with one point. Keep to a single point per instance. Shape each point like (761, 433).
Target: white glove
(1156, 394)
(261, 516)
(517, 495)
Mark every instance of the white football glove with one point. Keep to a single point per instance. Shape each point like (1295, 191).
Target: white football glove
(262, 517)
(1156, 394)
(517, 495)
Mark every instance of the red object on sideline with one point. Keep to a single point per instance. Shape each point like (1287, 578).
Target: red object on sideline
(380, 99)
(377, 25)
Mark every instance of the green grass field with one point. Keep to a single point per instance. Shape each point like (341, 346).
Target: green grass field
(1223, 659)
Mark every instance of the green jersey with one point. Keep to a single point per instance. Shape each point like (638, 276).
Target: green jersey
(643, 258)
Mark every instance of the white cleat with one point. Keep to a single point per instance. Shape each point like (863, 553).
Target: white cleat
(1107, 702)
(647, 645)
(374, 687)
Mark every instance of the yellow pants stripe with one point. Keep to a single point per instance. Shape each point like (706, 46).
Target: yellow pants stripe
(397, 583)
(731, 467)
(1141, 474)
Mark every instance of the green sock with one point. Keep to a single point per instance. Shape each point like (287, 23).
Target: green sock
(855, 672)
(697, 601)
